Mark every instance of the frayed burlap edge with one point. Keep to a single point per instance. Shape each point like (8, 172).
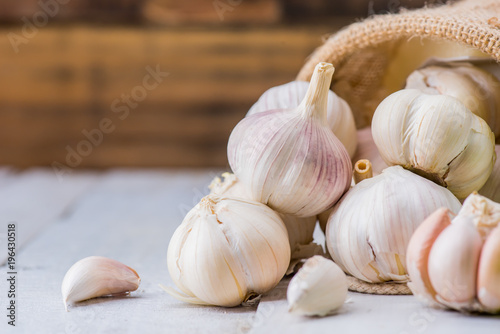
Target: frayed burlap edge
(362, 51)
(388, 288)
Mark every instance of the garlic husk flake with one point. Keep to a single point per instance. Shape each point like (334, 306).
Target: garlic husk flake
(318, 289)
(97, 276)
(290, 159)
(290, 95)
(211, 256)
(368, 231)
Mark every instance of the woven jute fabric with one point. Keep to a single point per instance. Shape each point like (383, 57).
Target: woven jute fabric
(388, 288)
(362, 51)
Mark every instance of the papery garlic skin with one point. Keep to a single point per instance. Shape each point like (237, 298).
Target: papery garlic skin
(369, 229)
(289, 95)
(290, 159)
(211, 256)
(419, 248)
(488, 277)
(318, 289)
(491, 188)
(368, 150)
(97, 276)
(453, 262)
(437, 137)
(477, 89)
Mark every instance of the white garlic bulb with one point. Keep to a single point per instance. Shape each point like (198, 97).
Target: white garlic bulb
(97, 276)
(456, 263)
(369, 229)
(477, 89)
(290, 159)
(437, 137)
(212, 255)
(338, 113)
(318, 289)
(491, 188)
(300, 229)
(368, 150)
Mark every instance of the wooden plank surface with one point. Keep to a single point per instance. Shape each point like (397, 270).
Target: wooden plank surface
(67, 79)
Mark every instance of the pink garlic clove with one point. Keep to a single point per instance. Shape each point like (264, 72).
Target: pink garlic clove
(488, 277)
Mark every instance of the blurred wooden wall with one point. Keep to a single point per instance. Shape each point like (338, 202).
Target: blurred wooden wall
(74, 93)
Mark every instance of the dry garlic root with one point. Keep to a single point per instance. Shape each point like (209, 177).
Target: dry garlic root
(300, 230)
(97, 276)
(369, 229)
(227, 251)
(477, 89)
(319, 288)
(290, 159)
(435, 136)
(456, 263)
(339, 114)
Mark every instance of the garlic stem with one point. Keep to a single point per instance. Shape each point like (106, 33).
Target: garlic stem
(315, 102)
(362, 170)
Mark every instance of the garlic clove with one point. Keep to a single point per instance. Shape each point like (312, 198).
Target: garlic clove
(488, 277)
(97, 276)
(453, 262)
(319, 288)
(339, 115)
(419, 247)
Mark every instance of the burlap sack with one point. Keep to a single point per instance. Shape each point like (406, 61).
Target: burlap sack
(372, 59)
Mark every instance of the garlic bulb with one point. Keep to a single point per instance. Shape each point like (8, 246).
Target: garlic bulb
(318, 289)
(339, 115)
(491, 188)
(368, 150)
(300, 230)
(212, 255)
(477, 89)
(437, 137)
(369, 229)
(455, 263)
(97, 276)
(289, 159)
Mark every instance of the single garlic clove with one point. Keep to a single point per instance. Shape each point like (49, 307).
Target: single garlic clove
(419, 247)
(339, 114)
(97, 276)
(488, 278)
(318, 289)
(453, 262)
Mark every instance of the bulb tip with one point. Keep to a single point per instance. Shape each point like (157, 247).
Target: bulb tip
(324, 67)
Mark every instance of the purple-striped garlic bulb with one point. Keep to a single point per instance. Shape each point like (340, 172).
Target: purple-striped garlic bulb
(289, 159)
(338, 113)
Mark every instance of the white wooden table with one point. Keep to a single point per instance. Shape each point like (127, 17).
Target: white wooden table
(129, 215)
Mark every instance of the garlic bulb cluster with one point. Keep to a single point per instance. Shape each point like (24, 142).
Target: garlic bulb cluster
(477, 89)
(289, 159)
(369, 229)
(300, 230)
(491, 188)
(368, 150)
(97, 276)
(227, 251)
(338, 114)
(437, 137)
(319, 288)
(456, 263)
